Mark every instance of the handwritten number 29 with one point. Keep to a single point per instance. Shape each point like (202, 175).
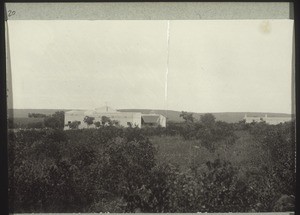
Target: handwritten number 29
(11, 13)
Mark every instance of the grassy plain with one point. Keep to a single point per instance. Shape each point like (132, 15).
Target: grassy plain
(244, 152)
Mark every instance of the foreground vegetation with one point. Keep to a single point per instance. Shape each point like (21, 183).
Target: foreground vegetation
(194, 166)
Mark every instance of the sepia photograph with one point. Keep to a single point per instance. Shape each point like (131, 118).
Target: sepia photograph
(151, 116)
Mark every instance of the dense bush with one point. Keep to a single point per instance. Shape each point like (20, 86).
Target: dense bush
(278, 142)
(209, 132)
(55, 121)
(115, 169)
(36, 115)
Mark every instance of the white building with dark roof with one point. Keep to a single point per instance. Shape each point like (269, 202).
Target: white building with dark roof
(266, 119)
(153, 119)
(125, 119)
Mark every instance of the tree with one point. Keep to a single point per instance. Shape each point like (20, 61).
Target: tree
(97, 124)
(74, 124)
(35, 125)
(208, 120)
(105, 120)
(89, 120)
(36, 115)
(188, 117)
(115, 122)
(55, 121)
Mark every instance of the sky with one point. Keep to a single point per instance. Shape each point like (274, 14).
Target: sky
(198, 66)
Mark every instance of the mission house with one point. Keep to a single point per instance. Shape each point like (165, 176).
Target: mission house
(125, 119)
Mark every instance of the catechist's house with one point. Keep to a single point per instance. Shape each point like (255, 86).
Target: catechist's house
(106, 115)
(266, 119)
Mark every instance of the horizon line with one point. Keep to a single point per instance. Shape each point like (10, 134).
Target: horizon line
(154, 109)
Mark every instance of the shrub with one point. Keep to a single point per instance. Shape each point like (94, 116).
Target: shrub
(114, 169)
(55, 121)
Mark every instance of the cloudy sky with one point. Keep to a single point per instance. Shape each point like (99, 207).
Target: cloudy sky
(214, 66)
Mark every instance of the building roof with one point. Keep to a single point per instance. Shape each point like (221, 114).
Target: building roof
(104, 109)
(150, 118)
(90, 112)
(277, 118)
(100, 110)
(75, 112)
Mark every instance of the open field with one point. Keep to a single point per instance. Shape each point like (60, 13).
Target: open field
(26, 120)
(244, 153)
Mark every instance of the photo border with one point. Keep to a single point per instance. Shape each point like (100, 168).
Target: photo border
(59, 14)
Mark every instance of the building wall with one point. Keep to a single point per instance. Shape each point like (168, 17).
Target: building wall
(268, 120)
(124, 118)
(162, 121)
(253, 119)
(71, 117)
(276, 120)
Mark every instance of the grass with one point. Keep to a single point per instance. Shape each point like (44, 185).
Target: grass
(244, 152)
(180, 152)
(26, 120)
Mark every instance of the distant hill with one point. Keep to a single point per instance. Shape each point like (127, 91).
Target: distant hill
(23, 113)
(171, 115)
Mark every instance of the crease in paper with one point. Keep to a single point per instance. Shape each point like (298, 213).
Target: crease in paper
(167, 69)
